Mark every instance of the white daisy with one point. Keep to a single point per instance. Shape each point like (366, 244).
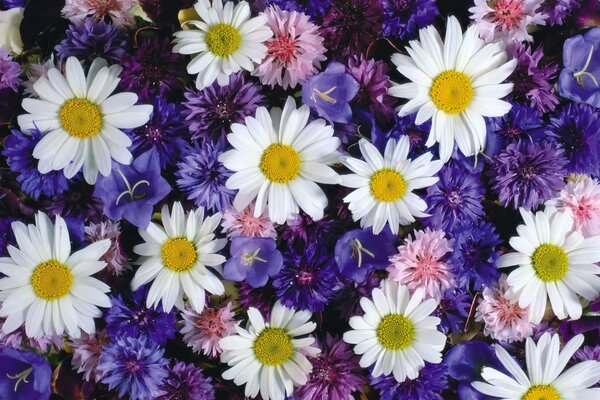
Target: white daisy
(545, 379)
(554, 262)
(277, 158)
(83, 119)
(384, 184)
(270, 357)
(456, 83)
(397, 333)
(175, 256)
(48, 288)
(225, 40)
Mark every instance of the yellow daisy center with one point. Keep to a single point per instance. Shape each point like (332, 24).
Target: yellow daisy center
(179, 254)
(541, 392)
(223, 39)
(451, 92)
(395, 332)
(280, 163)
(387, 185)
(273, 347)
(51, 280)
(81, 118)
(550, 262)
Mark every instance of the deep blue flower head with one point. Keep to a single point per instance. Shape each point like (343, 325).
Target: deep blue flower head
(7, 235)
(404, 18)
(520, 123)
(93, 39)
(185, 381)
(431, 382)
(405, 126)
(253, 260)
(133, 366)
(24, 375)
(454, 310)
(18, 150)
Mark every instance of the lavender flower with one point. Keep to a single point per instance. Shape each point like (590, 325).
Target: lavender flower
(9, 71)
(558, 10)
(93, 39)
(347, 300)
(116, 261)
(313, 8)
(587, 353)
(86, 354)
(453, 310)
(520, 123)
(252, 260)
(405, 126)
(374, 82)
(185, 381)
(24, 375)
(431, 382)
(404, 18)
(259, 298)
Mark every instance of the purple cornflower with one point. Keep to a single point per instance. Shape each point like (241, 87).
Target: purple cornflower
(9, 71)
(374, 82)
(308, 279)
(202, 177)
(86, 353)
(429, 385)
(335, 372)
(93, 39)
(347, 299)
(526, 174)
(116, 260)
(185, 381)
(417, 135)
(24, 375)
(453, 310)
(210, 112)
(77, 202)
(313, 8)
(587, 353)
(576, 127)
(588, 325)
(558, 10)
(520, 123)
(404, 18)
(133, 366)
(252, 260)
(303, 229)
(260, 298)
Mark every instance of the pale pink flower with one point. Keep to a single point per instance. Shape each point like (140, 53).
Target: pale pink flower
(35, 72)
(504, 319)
(421, 263)
(294, 53)
(244, 223)
(582, 197)
(116, 262)
(507, 20)
(86, 352)
(117, 10)
(203, 331)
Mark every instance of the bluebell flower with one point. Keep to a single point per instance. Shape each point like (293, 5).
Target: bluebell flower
(253, 260)
(24, 375)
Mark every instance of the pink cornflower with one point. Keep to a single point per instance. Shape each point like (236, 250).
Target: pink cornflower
(117, 10)
(504, 319)
(294, 53)
(86, 352)
(244, 223)
(420, 263)
(203, 331)
(116, 262)
(35, 72)
(582, 197)
(507, 19)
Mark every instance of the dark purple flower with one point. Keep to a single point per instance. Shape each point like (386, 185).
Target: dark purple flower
(360, 251)
(7, 235)
(374, 82)
(9, 71)
(587, 353)
(302, 229)
(210, 112)
(520, 123)
(588, 325)
(8, 4)
(404, 18)
(252, 260)
(453, 310)
(202, 177)
(558, 10)
(526, 174)
(588, 14)
(405, 126)
(164, 12)
(429, 385)
(313, 8)
(260, 298)
(347, 299)
(133, 366)
(77, 202)
(24, 375)
(93, 39)
(185, 381)
(329, 92)
(131, 191)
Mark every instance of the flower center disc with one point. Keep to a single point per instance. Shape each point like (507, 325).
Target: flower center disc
(387, 185)
(273, 347)
(223, 40)
(179, 254)
(451, 92)
(280, 163)
(395, 332)
(550, 262)
(81, 118)
(541, 392)
(51, 280)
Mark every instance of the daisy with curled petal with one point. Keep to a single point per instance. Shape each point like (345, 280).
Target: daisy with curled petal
(225, 40)
(176, 257)
(384, 184)
(277, 158)
(553, 262)
(397, 332)
(545, 379)
(455, 83)
(270, 357)
(48, 288)
(82, 119)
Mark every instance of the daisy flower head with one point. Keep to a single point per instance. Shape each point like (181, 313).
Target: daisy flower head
(545, 378)
(278, 158)
(384, 184)
(82, 120)
(582, 197)
(46, 287)
(397, 332)
(176, 257)
(223, 41)
(270, 356)
(455, 83)
(553, 262)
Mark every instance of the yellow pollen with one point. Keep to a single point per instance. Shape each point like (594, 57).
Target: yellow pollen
(451, 92)
(541, 392)
(387, 185)
(395, 332)
(179, 254)
(550, 262)
(223, 40)
(51, 280)
(273, 347)
(280, 163)
(81, 118)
